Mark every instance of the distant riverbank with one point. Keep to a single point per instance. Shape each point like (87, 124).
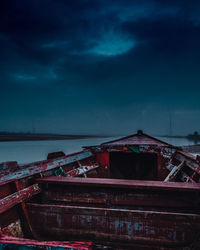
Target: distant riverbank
(37, 150)
(6, 137)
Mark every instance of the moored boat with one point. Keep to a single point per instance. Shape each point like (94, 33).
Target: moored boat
(136, 191)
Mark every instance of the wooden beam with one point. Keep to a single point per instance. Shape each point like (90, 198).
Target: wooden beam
(82, 170)
(21, 243)
(41, 166)
(119, 225)
(171, 176)
(190, 160)
(149, 199)
(120, 183)
(23, 215)
(18, 197)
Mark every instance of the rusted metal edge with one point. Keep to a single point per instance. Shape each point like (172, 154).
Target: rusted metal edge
(18, 197)
(38, 167)
(119, 183)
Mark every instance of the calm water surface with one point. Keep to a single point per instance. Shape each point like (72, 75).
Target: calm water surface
(29, 151)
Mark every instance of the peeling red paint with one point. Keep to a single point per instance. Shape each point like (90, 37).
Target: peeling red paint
(15, 198)
(48, 244)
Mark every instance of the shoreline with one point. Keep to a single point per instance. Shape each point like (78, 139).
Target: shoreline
(12, 138)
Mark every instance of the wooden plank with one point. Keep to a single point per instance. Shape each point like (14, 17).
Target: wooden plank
(8, 217)
(82, 170)
(160, 200)
(186, 178)
(172, 175)
(104, 224)
(119, 183)
(7, 168)
(41, 166)
(20, 243)
(190, 160)
(18, 197)
(23, 215)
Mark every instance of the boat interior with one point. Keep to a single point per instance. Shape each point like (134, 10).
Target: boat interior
(134, 166)
(118, 195)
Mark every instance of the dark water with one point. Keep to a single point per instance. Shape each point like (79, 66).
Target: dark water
(29, 151)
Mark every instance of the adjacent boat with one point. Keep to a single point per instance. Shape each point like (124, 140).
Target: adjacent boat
(133, 193)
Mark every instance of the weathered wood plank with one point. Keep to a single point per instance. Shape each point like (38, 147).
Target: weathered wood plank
(41, 166)
(82, 170)
(20, 243)
(171, 176)
(104, 224)
(7, 168)
(127, 198)
(120, 183)
(190, 160)
(18, 197)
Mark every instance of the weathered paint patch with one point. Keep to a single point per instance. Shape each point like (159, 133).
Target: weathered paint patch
(26, 244)
(14, 229)
(16, 198)
(39, 167)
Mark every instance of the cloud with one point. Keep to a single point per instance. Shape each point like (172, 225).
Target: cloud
(170, 35)
(54, 44)
(112, 44)
(111, 56)
(96, 27)
(20, 77)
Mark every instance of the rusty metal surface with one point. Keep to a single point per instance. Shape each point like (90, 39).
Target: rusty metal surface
(16, 198)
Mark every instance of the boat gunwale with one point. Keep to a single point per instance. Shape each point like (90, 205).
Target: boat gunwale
(120, 183)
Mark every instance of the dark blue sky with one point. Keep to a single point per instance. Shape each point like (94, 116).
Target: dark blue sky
(100, 66)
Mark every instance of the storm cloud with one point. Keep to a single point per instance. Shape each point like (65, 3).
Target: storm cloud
(99, 66)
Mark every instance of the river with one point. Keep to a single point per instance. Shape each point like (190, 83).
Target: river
(29, 151)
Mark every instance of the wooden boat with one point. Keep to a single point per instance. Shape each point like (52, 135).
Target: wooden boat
(133, 193)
